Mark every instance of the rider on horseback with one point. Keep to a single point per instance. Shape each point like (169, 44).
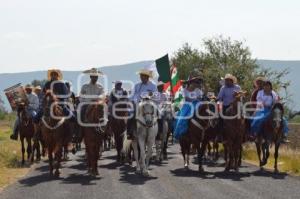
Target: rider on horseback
(31, 108)
(226, 96)
(90, 92)
(58, 88)
(192, 94)
(145, 87)
(161, 100)
(266, 98)
(116, 94)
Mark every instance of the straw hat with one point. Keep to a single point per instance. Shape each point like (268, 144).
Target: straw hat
(59, 74)
(146, 72)
(260, 78)
(38, 88)
(93, 72)
(231, 77)
(28, 86)
(160, 83)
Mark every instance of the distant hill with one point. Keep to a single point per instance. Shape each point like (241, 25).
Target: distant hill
(128, 72)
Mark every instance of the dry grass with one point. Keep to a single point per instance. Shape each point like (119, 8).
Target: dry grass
(10, 155)
(288, 161)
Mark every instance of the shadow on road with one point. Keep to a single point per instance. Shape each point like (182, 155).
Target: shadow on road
(35, 180)
(80, 179)
(129, 176)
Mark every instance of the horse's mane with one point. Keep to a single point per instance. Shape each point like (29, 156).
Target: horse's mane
(279, 106)
(92, 111)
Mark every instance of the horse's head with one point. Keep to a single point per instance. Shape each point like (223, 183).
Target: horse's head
(167, 111)
(148, 111)
(95, 113)
(206, 113)
(48, 103)
(277, 114)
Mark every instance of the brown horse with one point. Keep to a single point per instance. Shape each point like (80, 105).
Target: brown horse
(272, 132)
(234, 133)
(53, 128)
(195, 135)
(93, 135)
(26, 132)
(117, 125)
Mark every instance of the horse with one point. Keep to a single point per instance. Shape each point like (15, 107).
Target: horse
(93, 134)
(53, 128)
(144, 136)
(162, 138)
(272, 132)
(195, 134)
(117, 125)
(234, 132)
(26, 132)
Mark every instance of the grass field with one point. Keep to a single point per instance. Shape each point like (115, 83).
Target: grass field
(10, 155)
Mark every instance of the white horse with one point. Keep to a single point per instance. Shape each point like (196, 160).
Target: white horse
(162, 142)
(144, 136)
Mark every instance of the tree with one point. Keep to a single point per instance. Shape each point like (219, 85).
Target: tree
(219, 56)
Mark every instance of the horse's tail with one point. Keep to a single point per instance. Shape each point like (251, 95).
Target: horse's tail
(126, 143)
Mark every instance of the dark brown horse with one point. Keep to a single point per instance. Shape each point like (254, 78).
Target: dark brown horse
(234, 133)
(195, 135)
(117, 125)
(53, 128)
(26, 132)
(272, 132)
(93, 135)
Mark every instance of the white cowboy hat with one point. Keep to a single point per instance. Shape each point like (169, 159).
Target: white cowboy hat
(232, 77)
(117, 82)
(93, 72)
(38, 88)
(28, 86)
(50, 71)
(160, 83)
(146, 72)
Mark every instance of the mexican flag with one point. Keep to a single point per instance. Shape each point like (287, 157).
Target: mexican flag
(170, 77)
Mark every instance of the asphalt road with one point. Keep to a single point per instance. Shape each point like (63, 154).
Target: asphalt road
(168, 180)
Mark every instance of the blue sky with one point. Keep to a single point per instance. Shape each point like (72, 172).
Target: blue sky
(78, 34)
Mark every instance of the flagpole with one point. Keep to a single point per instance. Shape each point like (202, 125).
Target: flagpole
(171, 85)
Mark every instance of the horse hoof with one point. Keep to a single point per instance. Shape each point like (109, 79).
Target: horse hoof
(186, 168)
(138, 172)
(201, 170)
(57, 173)
(276, 171)
(146, 173)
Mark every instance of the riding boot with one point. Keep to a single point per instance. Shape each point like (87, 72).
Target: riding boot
(16, 129)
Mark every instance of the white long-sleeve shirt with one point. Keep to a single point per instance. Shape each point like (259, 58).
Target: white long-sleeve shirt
(264, 100)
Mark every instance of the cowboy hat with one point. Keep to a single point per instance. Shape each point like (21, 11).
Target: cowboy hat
(28, 86)
(38, 88)
(117, 82)
(57, 71)
(146, 72)
(260, 78)
(231, 77)
(160, 83)
(93, 72)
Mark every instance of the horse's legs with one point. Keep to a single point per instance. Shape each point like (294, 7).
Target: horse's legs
(266, 153)
(258, 149)
(158, 146)
(216, 148)
(29, 150)
(142, 154)
(136, 155)
(240, 155)
(276, 156)
(22, 149)
(58, 157)
(200, 154)
(149, 153)
(50, 156)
